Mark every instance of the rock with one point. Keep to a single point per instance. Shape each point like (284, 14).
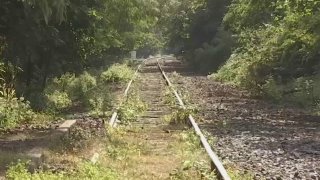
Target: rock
(314, 176)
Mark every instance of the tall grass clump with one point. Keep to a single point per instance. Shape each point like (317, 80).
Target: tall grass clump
(13, 110)
(118, 73)
(131, 108)
(67, 90)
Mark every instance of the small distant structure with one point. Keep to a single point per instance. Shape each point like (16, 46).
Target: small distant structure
(133, 55)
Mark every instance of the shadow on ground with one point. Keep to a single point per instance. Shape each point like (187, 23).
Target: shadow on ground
(271, 140)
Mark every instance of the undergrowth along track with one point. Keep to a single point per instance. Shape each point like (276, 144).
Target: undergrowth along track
(216, 164)
(114, 116)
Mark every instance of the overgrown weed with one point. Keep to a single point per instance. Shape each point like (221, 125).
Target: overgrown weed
(118, 73)
(196, 164)
(84, 170)
(179, 116)
(132, 107)
(120, 146)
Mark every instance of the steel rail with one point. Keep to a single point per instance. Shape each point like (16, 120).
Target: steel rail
(113, 119)
(216, 163)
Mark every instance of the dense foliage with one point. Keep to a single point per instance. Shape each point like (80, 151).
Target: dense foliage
(48, 38)
(47, 45)
(280, 39)
(269, 47)
(278, 48)
(118, 73)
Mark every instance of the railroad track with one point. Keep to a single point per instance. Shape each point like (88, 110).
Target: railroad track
(153, 82)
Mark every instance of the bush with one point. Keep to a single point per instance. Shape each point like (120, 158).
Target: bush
(84, 83)
(118, 73)
(131, 108)
(302, 91)
(77, 139)
(280, 41)
(99, 100)
(305, 91)
(62, 92)
(272, 89)
(66, 83)
(131, 63)
(59, 100)
(14, 111)
(19, 171)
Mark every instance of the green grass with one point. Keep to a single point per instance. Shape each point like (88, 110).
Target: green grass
(132, 107)
(195, 164)
(85, 170)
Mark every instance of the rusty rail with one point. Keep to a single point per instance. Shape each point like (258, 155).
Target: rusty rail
(215, 162)
(113, 119)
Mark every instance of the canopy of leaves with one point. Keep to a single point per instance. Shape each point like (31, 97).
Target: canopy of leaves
(46, 38)
(255, 44)
(279, 39)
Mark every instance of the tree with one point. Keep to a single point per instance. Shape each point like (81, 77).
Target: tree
(47, 38)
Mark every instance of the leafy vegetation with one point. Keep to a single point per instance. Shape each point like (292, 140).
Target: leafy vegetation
(14, 111)
(278, 48)
(118, 73)
(131, 108)
(266, 47)
(53, 56)
(45, 40)
(85, 91)
(85, 170)
(178, 115)
(67, 90)
(196, 164)
(76, 140)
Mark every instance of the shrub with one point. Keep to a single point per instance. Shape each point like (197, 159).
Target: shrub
(91, 171)
(131, 63)
(59, 100)
(272, 89)
(118, 73)
(179, 116)
(85, 83)
(99, 100)
(65, 83)
(283, 44)
(131, 108)
(302, 91)
(14, 111)
(305, 91)
(19, 171)
(62, 92)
